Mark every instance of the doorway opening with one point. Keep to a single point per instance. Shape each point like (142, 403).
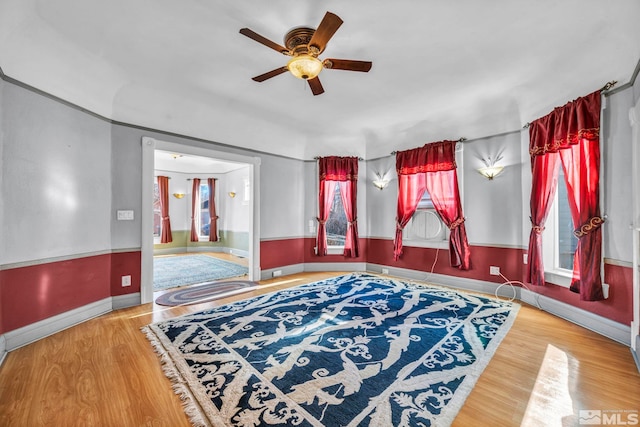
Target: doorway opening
(236, 191)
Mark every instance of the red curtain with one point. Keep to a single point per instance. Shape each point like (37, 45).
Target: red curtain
(342, 171)
(195, 198)
(348, 191)
(544, 184)
(325, 200)
(432, 168)
(410, 191)
(573, 131)
(163, 190)
(213, 217)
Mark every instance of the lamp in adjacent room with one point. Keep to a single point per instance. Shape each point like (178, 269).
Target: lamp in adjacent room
(232, 194)
(178, 195)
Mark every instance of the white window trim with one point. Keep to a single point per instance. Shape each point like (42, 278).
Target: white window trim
(550, 248)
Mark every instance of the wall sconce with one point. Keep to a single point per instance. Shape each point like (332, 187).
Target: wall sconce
(490, 170)
(380, 181)
(178, 195)
(232, 194)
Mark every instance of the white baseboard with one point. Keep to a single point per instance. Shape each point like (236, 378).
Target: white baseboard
(43, 328)
(607, 327)
(636, 352)
(603, 326)
(281, 271)
(335, 266)
(124, 301)
(27, 334)
(237, 252)
(3, 349)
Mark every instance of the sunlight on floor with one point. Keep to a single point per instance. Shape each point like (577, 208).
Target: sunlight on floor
(550, 401)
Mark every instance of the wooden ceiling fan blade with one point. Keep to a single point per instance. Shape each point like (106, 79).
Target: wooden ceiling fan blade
(316, 86)
(327, 28)
(265, 41)
(269, 74)
(347, 64)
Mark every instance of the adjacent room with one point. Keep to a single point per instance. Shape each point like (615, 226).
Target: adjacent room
(288, 213)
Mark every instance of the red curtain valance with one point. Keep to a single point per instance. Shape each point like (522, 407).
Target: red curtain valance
(336, 168)
(433, 157)
(570, 124)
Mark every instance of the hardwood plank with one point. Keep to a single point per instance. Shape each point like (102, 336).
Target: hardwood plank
(103, 372)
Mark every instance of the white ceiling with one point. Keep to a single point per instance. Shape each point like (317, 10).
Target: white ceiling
(441, 69)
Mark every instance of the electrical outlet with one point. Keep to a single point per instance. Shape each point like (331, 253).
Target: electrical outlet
(494, 271)
(126, 281)
(277, 273)
(525, 258)
(385, 271)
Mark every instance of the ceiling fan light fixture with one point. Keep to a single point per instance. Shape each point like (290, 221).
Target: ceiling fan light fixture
(305, 66)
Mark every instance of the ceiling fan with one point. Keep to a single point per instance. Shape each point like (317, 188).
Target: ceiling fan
(304, 44)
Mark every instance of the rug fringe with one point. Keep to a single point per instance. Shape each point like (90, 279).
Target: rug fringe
(179, 386)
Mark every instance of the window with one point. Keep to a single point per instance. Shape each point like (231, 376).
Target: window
(203, 214)
(336, 224)
(157, 216)
(559, 242)
(426, 229)
(425, 225)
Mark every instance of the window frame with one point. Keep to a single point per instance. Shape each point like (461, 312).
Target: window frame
(156, 197)
(336, 249)
(553, 273)
(198, 215)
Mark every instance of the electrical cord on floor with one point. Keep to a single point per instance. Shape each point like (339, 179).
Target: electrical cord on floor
(433, 266)
(512, 283)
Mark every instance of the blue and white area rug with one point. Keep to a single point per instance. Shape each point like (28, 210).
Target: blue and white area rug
(181, 270)
(355, 350)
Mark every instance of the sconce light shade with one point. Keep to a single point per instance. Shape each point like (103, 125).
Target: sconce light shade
(490, 172)
(380, 181)
(178, 195)
(232, 194)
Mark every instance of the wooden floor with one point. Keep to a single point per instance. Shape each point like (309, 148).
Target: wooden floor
(103, 372)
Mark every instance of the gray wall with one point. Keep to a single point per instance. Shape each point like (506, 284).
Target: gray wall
(236, 212)
(492, 207)
(56, 179)
(616, 160)
(282, 194)
(281, 185)
(80, 169)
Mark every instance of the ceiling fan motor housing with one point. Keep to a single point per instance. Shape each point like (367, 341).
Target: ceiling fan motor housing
(297, 41)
